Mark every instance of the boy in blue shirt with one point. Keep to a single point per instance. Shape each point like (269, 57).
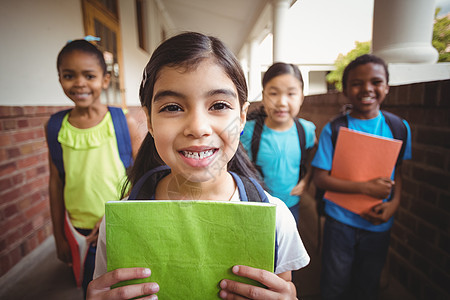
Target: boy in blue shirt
(355, 246)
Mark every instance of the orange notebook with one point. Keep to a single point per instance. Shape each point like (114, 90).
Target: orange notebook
(360, 157)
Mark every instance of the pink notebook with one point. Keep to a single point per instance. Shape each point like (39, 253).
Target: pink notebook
(78, 247)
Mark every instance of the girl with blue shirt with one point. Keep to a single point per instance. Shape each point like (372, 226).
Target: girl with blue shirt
(279, 152)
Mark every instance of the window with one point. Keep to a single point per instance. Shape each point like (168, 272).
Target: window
(101, 19)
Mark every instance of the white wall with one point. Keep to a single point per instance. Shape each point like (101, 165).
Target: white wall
(134, 58)
(31, 34)
(317, 82)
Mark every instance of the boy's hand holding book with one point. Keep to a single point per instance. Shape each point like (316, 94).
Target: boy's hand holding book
(381, 213)
(379, 188)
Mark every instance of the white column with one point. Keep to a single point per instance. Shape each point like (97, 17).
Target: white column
(280, 30)
(402, 31)
(243, 60)
(254, 75)
(305, 76)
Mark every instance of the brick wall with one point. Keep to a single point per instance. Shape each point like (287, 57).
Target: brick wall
(24, 210)
(419, 256)
(420, 246)
(25, 220)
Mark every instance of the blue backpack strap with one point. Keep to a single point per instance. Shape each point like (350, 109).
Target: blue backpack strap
(399, 131)
(54, 147)
(303, 153)
(249, 189)
(258, 115)
(122, 135)
(338, 122)
(146, 190)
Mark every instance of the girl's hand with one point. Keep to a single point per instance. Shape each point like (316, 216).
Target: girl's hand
(379, 188)
(91, 239)
(63, 252)
(100, 288)
(277, 288)
(299, 188)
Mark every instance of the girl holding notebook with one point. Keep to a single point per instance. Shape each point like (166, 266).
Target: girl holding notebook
(195, 97)
(86, 165)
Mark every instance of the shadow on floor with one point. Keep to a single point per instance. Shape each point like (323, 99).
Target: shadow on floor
(40, 275)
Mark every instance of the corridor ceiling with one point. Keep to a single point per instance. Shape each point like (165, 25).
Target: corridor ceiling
(230, 20)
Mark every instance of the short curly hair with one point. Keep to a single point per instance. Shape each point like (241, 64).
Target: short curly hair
(362, 60)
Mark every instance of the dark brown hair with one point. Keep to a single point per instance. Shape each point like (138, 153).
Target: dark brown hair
(280, 68)
(187, 50)
(84, 46)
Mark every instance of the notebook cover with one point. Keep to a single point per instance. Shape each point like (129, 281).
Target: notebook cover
(78, 248)
(360, 157)
(189, 245)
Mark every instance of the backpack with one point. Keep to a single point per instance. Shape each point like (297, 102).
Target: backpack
(249, 189)
(259, 115)
(77, 242)
(120, 127)
(399, 132)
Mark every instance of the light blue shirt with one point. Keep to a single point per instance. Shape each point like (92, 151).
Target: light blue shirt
(279, 156)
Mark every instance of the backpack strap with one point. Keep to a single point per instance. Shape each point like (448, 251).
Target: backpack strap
(122, 135)
(256, 140)
(120, 127)
(259, 117)
(145, 187)
(399, 132)
(303, 152)
(338, 122)
(249, 189)
(54, 147)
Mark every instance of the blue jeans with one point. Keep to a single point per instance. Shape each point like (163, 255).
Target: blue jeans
(295, 211)
(352, 261)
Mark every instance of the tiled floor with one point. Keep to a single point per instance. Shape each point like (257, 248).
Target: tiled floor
(41, 276)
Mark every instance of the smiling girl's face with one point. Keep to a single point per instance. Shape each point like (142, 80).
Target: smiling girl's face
(195, 120)
(82, 78)
(282, 99)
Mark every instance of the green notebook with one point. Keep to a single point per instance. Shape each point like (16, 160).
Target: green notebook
(189, 245)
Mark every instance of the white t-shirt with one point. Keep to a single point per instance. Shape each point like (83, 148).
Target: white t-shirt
(292, 254)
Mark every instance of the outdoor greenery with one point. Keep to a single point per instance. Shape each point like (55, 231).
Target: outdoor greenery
(342, 61)
(441, 41)
(441, 36)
